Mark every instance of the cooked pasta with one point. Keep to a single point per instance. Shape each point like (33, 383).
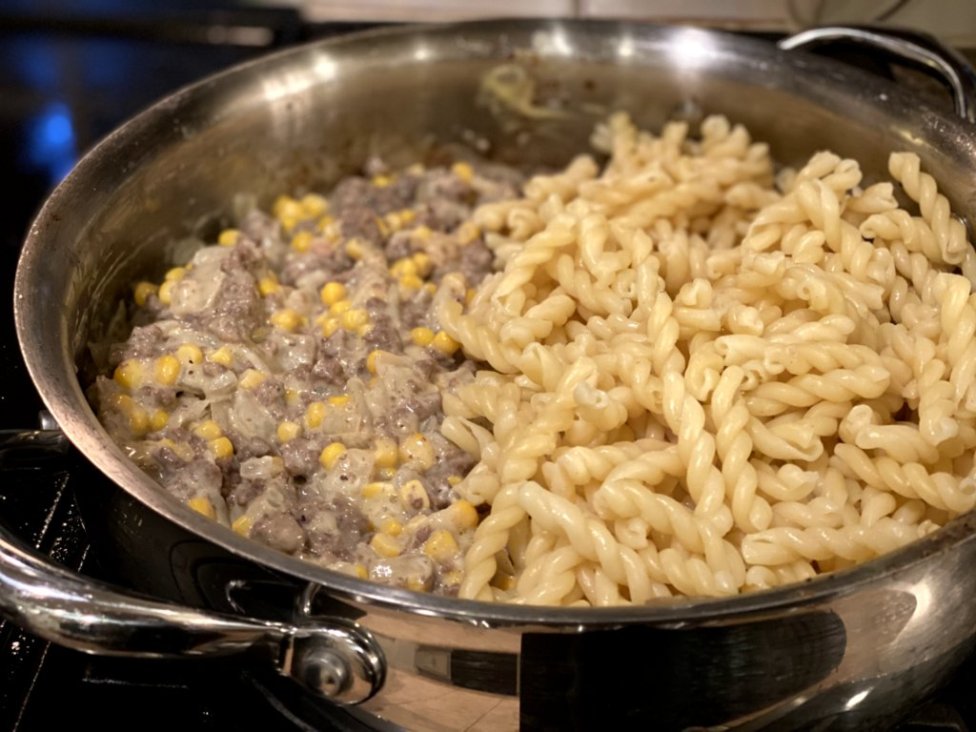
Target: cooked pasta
(705, 377)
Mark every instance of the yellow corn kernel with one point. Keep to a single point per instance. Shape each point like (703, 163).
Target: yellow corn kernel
(453, 479)
(288, 223)
(398, 219)
(166, 370)
(314, 415)
(414, 496)
(286, 206)
(385, 546)
(228, 237)
(287, 319)
(165, 293)
(288, 431)
(463, 171)
(208, 430)
(411, 282)
(455, 577)
(468, 296)
(314, 205)
(441, 546)
(122, 402)
(417, 450)
(329, 326)
(268, 286)
(383, 226)
(142, 291)
(381, 181)
(430, 288)
(376, 489)
(360, 571)
(339, 307)
(422, 336)
(421, 233)
(354, 318)
(130, 374)
(292, 396)
(391, 527)
(302, 241)
(423, 263)
(402, 267)
(354, 248)
(138, 420)
(183, 451)
(332, 292)
(221, 448)
(242, 525)
(363, 330)
(385, 452)
(330, 454)
(464, 514)
(416, 584)
(177, 273)
(189, 353)
(251, 379)
(467, 232)
(223, 356)
(445, 344)
(371, 360)
(327, 226)
(158, 420)
(339, 401)
(203, 506)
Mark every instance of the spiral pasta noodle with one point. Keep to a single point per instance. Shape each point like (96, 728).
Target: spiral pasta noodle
(704, 376)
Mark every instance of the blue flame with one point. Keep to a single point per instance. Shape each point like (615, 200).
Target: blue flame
(51, 141)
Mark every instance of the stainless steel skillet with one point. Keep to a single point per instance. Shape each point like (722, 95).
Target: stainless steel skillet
(860, 645)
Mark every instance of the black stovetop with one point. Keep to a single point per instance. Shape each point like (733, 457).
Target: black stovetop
(66, 79)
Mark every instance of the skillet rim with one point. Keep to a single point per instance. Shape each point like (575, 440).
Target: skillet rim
(84, 431)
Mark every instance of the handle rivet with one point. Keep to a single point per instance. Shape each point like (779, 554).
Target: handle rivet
(325, 672)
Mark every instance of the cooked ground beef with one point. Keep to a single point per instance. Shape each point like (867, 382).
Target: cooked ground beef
(286, 382)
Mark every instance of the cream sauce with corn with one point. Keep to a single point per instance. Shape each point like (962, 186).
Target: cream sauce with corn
(286, 381)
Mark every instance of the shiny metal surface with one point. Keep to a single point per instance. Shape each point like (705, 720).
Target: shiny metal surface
(855, 646)
(335, 660)
(33, 448)
(953, 69)
(80, 613)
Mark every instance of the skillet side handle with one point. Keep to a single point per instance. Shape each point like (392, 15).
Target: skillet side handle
(44, 449)
(333, 658)
(914, 48)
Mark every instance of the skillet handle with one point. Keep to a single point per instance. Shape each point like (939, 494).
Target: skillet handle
(919, 49)
(42, 449)
(333, 658)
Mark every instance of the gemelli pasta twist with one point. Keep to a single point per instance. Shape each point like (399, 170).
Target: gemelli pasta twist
(703, 377)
